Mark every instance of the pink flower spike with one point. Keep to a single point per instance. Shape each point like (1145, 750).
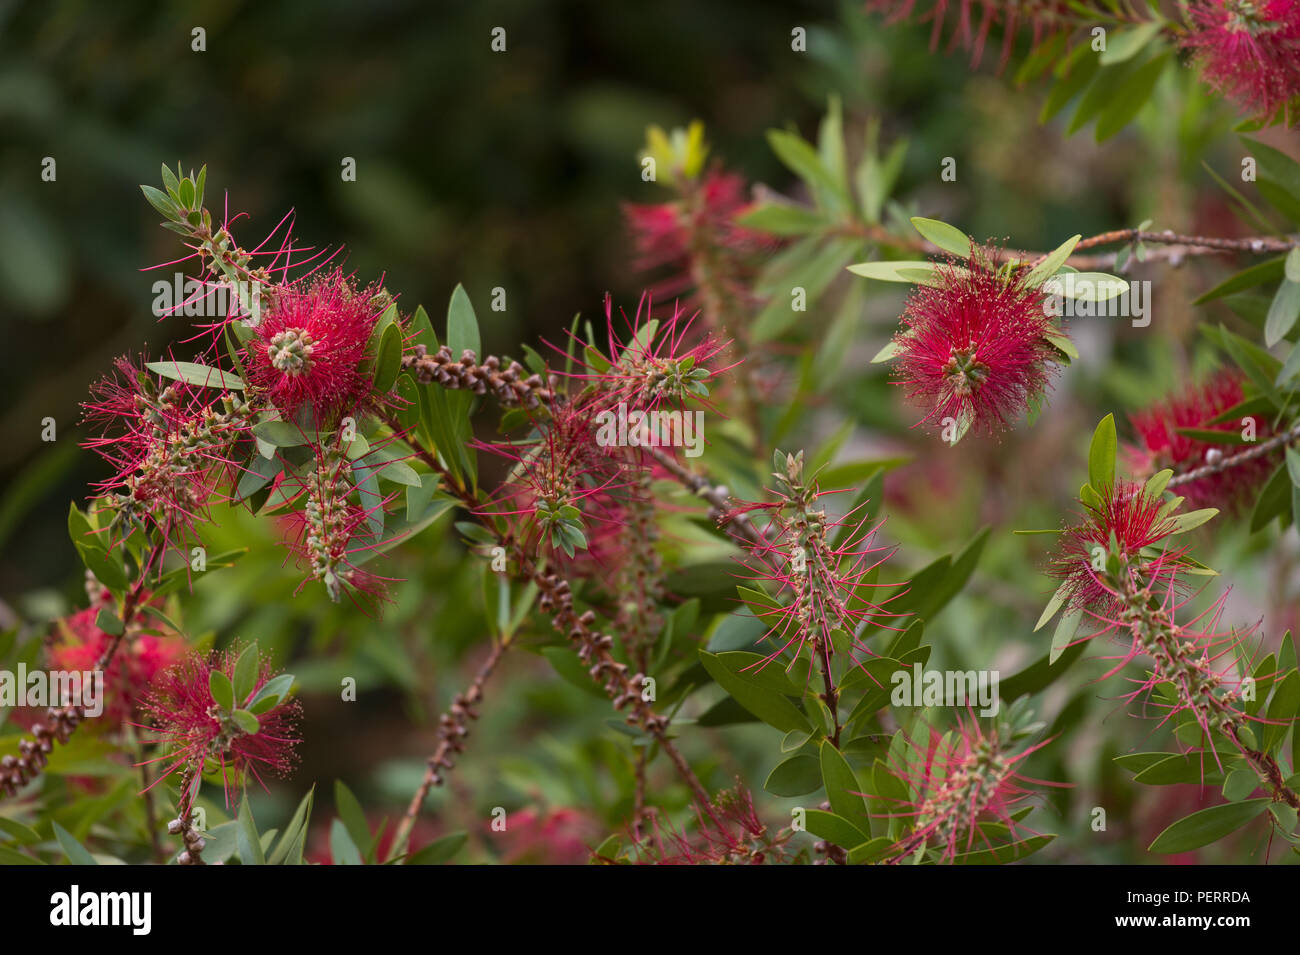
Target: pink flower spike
(196, 728)
(974, 346)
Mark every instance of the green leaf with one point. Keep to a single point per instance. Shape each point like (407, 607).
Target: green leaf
(161, 202)
(833, 828)
(1292, 267)
(1282, 312)
(1087, 286)
(873, 851)
(257, 473)
(352, 816)
(246, 838)
(247, 668)
(283, 434)
(388, 360)
(1061, 342)
(223, 694)
(1273, 500)
(797, 776)
(246, 721)
(1269, 271)
(196, 374)
(783, 218)
(1125, 44)
(1074, 72)
(1133, 93)
(289, 850)
(1282, 711)
(1051, 263)
(19, 833)
(752, 667)
(271, 693)
(109, 622)
(843, 789)
(767, 704)
(1279, 178)
(1066, 629)
(803, 161)
(1239, 784)
(462, 324)
(342, 849)
(899, 271)
(74, 850)
(439, 851)
(1053, 605)
(1004, 855)
(947, 237)
(1212, 436)
(1208, 825)
(1185, 522)
(885, 354)
(1101, 454)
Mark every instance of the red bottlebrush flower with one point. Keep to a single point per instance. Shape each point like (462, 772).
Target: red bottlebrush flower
(309, 347)
(553, 477)
(332, 534)
(1136, 522)
(1045, 16)
(729, 832)
(820, 571)
(1248, 50)
(79, 644)
(958, 780)
(1160, 446)
(560, 836)
(651, 363)
(170, 444)
(197, 728)
(973, 345)
(696, 241)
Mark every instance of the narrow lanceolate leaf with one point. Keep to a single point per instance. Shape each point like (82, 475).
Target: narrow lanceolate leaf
(1185, 522)
(1064, 635)
(1208, 825)
(947, 237)
(891, 271)
(1061, 342)
(1282, 312)
(885, 354)
(1053, 605)
(1101, 454)
(196, 374)
(1292, 266)
(1045, 269)
(1156, 484)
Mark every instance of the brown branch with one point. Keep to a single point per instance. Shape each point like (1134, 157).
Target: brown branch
(1175, 247)
(1223, 464)
(594, 648)
(453, 727)
(183, 824)
(1253, 245)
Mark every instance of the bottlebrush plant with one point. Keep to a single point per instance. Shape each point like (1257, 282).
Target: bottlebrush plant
(1112, 56)
(727, 648)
